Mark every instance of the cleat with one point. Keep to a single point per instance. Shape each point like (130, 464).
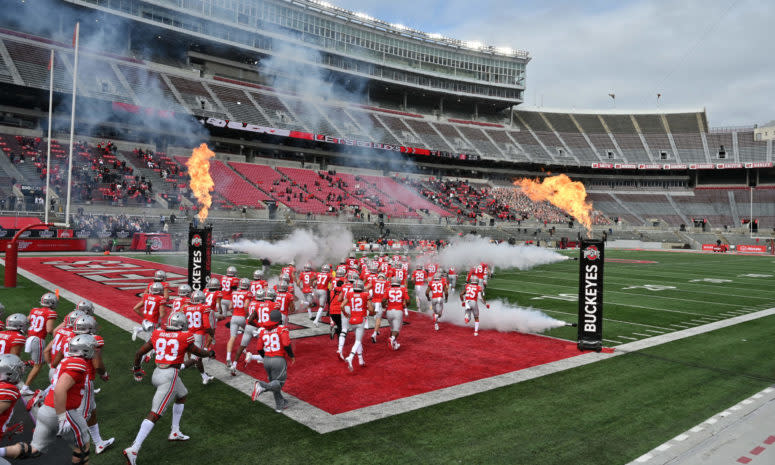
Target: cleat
(135, 331)
(436, 326)
(233, 369)
(285, 406)
(100, 448)
(476, 333)
(349, 361)
(26, 391)
(248, 358)
(207, 378)
(374, 338)
(361, 362)
(333, 331)
(315, 323)
(341, 356)
(396, 345)
(257, 390)
(130, 455)
(177, 436)
(97, 390)
(33, 400)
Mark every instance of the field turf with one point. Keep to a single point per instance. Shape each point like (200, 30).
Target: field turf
(609, 412)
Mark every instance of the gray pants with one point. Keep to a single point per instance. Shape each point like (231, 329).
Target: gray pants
(396, 319)
(321, 297)
(277, 372)
(248, 335)
(452, 280)
(236, 325)
(437, 304)
(47, 426)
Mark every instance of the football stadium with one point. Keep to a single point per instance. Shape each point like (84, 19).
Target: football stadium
(284, 231)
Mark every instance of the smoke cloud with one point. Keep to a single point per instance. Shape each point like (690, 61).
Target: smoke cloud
(504, 317)
(330, 244)
(471, 250)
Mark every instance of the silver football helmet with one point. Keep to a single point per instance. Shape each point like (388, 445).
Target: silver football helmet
(213, 284)
(381, 276)
(271, 294)
(231, 271)
(71, 317)
(282, 287)
(197, 297)
(86, 307)
(395, 281)
(326, 269)
(244, 283)
(159, 276)
(82, 345)
(177, 322)
(260, 294)
(258, 275)
(358, 286)
(184, 290)
(17, 322)
(49, 299)
(85, 324)
(157, 288)
(340, 273)
(11, 368)
(474, 280)
(307, 267)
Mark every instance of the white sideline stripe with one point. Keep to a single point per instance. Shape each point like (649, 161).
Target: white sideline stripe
(681, 437)
(644, 458)
(324, 422)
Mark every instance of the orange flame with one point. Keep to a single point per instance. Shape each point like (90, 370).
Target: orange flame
(560, 191)
(201, 182)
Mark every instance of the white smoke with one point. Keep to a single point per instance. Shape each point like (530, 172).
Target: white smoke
(503, 317)
(330, 244)
(471, 250)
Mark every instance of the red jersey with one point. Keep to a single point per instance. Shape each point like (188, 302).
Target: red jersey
(258, 285)
(401, 273)
(322, 281)
(283, 301)
(61, 336)
(78, 369)
(357, 301)
(307, 279)
(8, 393)
(397, 297)
(211, 299)
(178, 303)
(479, 271)
(352, 264)
(259, 310)
(228, 284)
(347, 289)
(198, 317)
(379, 289)
(38, 318)
(152, 307)
(171, 346)
(384, 267)
(290, 270)
(239, 299)
(368, 280)
(437, 288)
(335, 307)
(341, 269)
(472, 292)
(274, 340)
(419, 277)
(452, 271)
(66, 348)
(11, 339)
(432, 268)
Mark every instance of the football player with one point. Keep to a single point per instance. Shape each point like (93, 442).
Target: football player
(470, 296)
(152, 308)
(307, 279)
(11, 371)
(171, 343)
(335, 307)
(397, 298)
(14, 337)
(322, 287)
(42, 322)
(213, 295)
(178, 302)
(419, 276)
(356, 308)
(285, 301)
(378, 291)
(258, 283)
(54, 351)
(275, 342)
(437, 293)
(452, 277)
(240, 301)
(258, 316)
(199, 317)
(228, 284)
(160, 277)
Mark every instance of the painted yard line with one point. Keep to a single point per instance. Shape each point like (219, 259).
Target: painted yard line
(324, 422)
(611, 340)
(655, 331)
(608, 302)
(644, 335)
(625, 337)
(680, 326)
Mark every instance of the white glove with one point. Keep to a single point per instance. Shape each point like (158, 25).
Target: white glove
(64, 425)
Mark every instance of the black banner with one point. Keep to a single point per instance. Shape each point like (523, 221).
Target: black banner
(199, 247)
(591, 295)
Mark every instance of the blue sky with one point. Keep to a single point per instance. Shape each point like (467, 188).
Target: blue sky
(714, 54)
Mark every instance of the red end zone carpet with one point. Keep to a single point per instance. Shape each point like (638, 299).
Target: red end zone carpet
(427, 360)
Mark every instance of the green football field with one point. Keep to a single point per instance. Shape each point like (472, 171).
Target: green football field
(608, 412)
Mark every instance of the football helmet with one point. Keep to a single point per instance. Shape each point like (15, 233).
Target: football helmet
(326, 269)
(307, 267)
(271, 294)
(351, 276)
(258, 274)
(17, 322)
(395, 281)
(282, 287)
(85, 324)
(49, 299)
(157, 288)
(177, 322)
(197, 297)
(358, 286)
(11, 368)
(231, 271)
(213, 284)
(260, 294)
(160, 276)
(418, 267)
(381, 276)
(71, 317)
(86, 307)
(474, 280)
(340, 273)
(244, 283)
(82, 345)
(184, 290)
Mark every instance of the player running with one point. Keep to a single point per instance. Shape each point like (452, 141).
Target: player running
(378, 294)
(437, 293)
(160, 277)
(258, 283)
(470, 296)
(171, 344)
(307, 279)
(14, 337)
(199, 317)
(275, 343)
(419, 277)
(397, 298)
(241, 299)
(452, 277)
(228, 284)
(42, 322)
(154, 310)
(357, 307)
(322, 288)
(285, 301)
(258, 315)
(178, 302)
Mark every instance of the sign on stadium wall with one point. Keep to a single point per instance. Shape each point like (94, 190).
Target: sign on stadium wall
(752, 248)
(681, 166)
(48, 245)
(759, 164)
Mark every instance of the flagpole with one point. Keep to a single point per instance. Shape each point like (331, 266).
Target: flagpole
(48, 152)
(72, 126)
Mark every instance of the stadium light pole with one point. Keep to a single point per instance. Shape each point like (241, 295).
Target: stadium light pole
(72, 124)
(48, 152)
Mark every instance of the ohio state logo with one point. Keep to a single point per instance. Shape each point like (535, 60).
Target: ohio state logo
(196, 241)
(591, 253)
(156, 243)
